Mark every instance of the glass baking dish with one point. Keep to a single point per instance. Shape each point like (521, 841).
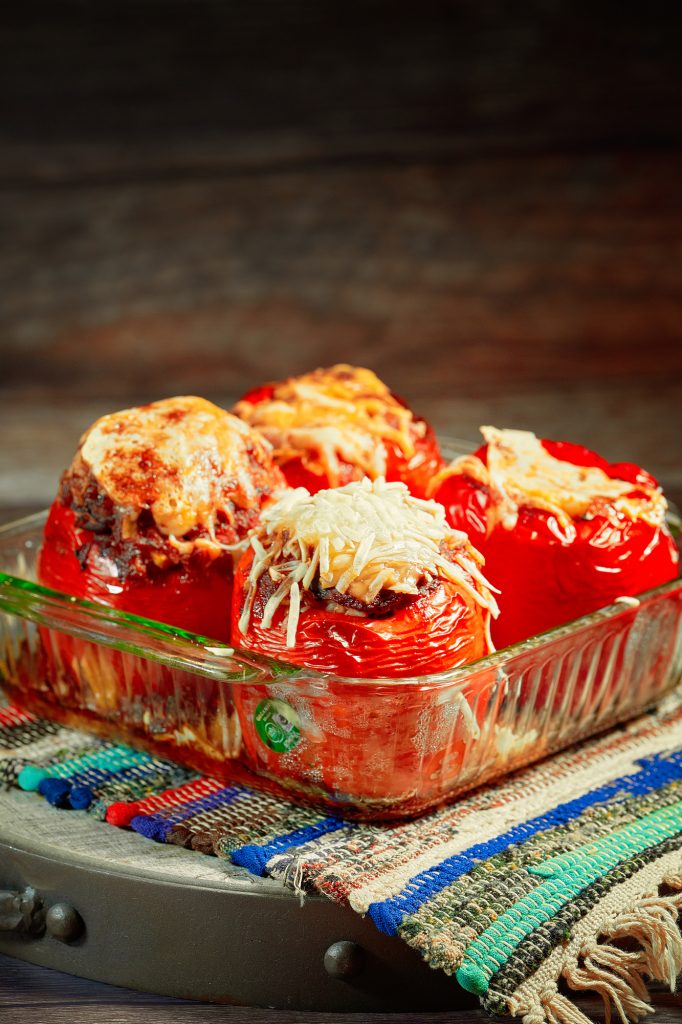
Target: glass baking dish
(366, 748)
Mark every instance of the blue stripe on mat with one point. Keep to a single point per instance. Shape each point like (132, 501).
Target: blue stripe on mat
(389, 914)
(256, 857)
(157, 826)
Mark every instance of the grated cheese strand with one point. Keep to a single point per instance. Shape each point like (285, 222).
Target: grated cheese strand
(294, 611)
(362, 538)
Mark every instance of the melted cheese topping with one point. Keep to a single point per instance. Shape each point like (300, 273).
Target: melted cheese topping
(521, 472)
(333, 416)
(183, 458)
(360, 539)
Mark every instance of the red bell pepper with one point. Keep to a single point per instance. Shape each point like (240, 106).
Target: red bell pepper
(147, 512)
(144, 521)
(336, 425)
(552, 557)
(440, 629)
(363, 736)
(192, 594)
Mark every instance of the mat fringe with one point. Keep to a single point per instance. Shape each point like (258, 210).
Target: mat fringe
(617, 973)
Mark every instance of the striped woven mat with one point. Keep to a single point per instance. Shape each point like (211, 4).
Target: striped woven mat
(567, 872)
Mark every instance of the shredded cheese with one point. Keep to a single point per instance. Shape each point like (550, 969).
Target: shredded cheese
(182, 458)
(334, 417)
(359, 539)
(520, 472)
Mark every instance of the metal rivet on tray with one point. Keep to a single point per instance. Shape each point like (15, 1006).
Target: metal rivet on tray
(64, 923)
(344, 960)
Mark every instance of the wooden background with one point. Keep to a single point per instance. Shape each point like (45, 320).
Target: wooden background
(481, 201)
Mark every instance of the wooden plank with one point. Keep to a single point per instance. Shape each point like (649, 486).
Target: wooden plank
(153, 87)
(540, 293)
(504, 274)
(36, 995)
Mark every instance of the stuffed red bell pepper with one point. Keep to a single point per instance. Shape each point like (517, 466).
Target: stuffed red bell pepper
(151, 507)
(336, 425)
(361, 581)
(563, 531)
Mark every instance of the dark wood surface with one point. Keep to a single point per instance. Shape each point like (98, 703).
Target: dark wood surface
(33, 995)
(479, 201)
(162, 87)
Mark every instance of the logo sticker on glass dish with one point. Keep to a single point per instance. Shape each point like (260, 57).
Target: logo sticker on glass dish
(278, 725)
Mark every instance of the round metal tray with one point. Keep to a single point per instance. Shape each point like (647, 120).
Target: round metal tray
(111, 906)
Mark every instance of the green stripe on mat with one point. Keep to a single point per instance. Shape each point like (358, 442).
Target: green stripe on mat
(541, 943)
(494, 946)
